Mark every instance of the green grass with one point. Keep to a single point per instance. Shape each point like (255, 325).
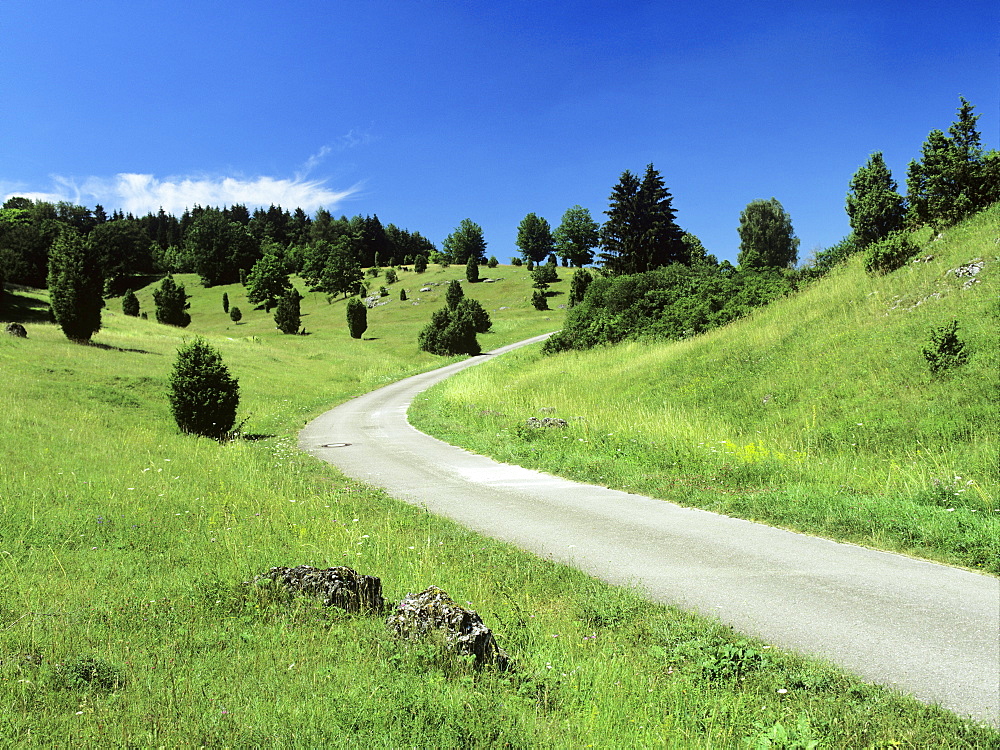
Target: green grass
(817, 413)
(125, 544)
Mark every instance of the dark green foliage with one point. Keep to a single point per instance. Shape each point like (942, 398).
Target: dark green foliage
(2, 281)
(641, 233)
(472, 270)
(889, 254)
(333, 268)
(420, 264)
(578, 286)
(203, 395)
(390, 276)
(75, 286)
(402, 295)
(481, 322)
(767, 239)
(357, 317)
(223, 251)
(267, 281)
(454, 293)
(946, 350)
(953, 178)
(120, 248)
(465, 242)
(225, 302)
(534, 237)
(450, 331)
(235, 315)
(90, 673)
(669, 303)
(130, 304)
(516, 262)
(383, 291)
(543, 275)
(824, 260)
(576, 237)
(171, 303)
(288, 315)
(875, 209)
(539, 300)
(492, 262)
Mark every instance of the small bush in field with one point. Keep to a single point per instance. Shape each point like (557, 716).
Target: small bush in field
(946, 350)
(402, 295)
(492, 262)
(225, 302)
(130, 304)
(203, 395)
(235, 315)
(539, 301)
(357, 317)
(885, 256)
(390, 276)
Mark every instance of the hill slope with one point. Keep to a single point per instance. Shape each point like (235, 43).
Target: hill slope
(818, 412)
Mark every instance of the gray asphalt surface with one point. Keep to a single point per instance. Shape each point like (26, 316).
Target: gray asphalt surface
(928, 630)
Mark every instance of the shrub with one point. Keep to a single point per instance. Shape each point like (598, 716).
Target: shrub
(288, 315)
(402, 295)
(203, 395)
(885, 256)
(235, 315)
(516, 261)
(390, 276)
(130, 304)
(225, 302)
(454, 294)
(450, 331)
(492, 262)
(539, 301)
(578, 286)
(357, 317)
(75, 287)
(420, 264)
(946, 350)
(89, 673)
(472, 270)
(408, 260)
(171, 303)
(480, 318)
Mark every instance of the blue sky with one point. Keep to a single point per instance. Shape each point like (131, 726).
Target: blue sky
(426, 113)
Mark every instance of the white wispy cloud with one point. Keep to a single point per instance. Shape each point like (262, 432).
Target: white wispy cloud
(141, 193)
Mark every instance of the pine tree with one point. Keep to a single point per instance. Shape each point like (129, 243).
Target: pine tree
(288, 315)
(767, 239)
(235, 315)
(454, 293)
(130, 304)
(875, 209)
(357, 317)
(472, 270)
(578, 286)
(420, 264)
(171, 303)
(225, 302)
(204, 397)
(75, 285)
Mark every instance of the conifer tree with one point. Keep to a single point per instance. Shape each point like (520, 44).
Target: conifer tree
(288, 315)
(875, 209)
(171, 303)
(472, 270)
(130, 304)
(75, 285)
(235, 315)
(357, 317)
(225, 302)
(420, 264)
(578, 286)
(453, 295)
(204, 396)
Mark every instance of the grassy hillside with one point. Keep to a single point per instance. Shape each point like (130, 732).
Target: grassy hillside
(817, 413)
(124, 544)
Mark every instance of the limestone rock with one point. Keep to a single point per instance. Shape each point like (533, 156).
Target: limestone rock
(17, 330)
(463, 630)
(337, 587)
(545, 422)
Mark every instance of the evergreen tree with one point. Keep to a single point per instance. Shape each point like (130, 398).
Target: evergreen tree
(222, 250)
(235, 315)
(481, 322)
(875, 209)
(472, 271)
(465, 242)
(288, 316)
(333, 268)
(171, 303)
(454, 293)
(450, 331)
(641, 232)
(204, 397)
(767, 239)
(492, 262)
(538, 300)
(357, 317)
(130, 304)
(75, 285)
(402, 295)
(576, 237)
(534, 237)
(225, 302)
(420, 264)
(578, 286)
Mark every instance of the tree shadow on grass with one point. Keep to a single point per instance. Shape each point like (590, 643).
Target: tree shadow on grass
(19, 308)
(108, 347)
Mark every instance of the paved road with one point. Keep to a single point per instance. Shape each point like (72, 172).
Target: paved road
(929, 630)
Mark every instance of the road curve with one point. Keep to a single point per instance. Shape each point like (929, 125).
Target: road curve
(929, 630)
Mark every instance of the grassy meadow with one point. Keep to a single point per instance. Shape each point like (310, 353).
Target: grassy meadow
(124, 621)
(817, 413)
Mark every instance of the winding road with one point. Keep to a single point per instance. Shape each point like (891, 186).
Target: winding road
(926, 629)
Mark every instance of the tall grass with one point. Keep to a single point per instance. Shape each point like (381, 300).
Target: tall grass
(818, 412)
(125, 545)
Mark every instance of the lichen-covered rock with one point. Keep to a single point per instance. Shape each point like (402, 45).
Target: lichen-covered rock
(339, 587)
(463, 630)
(17, 330)
(546, 422)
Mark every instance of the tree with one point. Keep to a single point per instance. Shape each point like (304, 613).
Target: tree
(538, 300)
(288, 316)
(472, 271)
(402, 294)
(454, 293)
(465, 242)
(220, 248)
(952, 178)
(641, 233)
(75, 285)
(767, 239)
(543, 275)
(130, 304)
(171, 303)
(120, 249)
(450, 331)
(576, 237)
(225, 302)
(268, 281)
(534, 237)
(357, 317)
(578, 286)
(235, 315)
(204, 397)
(333, 268)
(875, 209)
(481, 322)
(420, 264)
